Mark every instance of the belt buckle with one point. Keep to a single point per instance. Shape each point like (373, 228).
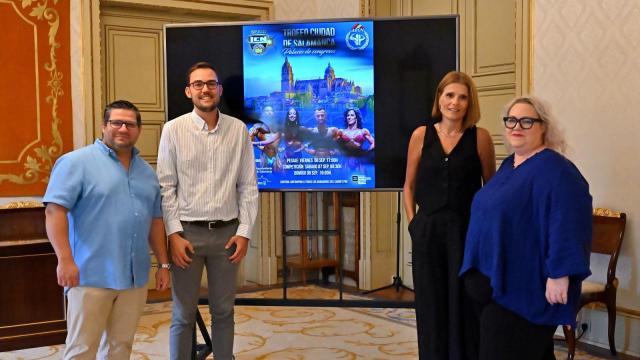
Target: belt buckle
(212, 224)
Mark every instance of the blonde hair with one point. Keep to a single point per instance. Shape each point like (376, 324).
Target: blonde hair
(553, 136)
(473, 110)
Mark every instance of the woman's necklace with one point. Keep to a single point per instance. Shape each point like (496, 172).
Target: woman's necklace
(454, 133)
(525, 157)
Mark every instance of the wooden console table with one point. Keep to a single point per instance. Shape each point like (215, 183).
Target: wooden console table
(32, 310)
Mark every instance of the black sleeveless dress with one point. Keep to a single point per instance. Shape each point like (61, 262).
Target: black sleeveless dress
(446, 184)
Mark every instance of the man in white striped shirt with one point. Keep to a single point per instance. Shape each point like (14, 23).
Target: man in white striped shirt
(206, 170)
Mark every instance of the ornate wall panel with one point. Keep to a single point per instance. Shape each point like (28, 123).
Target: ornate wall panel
(137, 57)
(492, 102)
(149, 140)
(317, 9)
(35, 102)
(493, 47)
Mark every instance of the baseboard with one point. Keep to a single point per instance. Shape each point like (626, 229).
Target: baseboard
(626, 334)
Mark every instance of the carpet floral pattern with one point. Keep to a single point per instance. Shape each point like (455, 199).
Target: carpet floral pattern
(281, 333)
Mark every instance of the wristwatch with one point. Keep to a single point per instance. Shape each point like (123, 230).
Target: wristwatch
(164, 266)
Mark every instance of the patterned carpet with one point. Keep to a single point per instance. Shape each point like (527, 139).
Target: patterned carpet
(285, 333)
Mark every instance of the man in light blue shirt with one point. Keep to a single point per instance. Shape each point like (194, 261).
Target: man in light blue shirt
(103, 212)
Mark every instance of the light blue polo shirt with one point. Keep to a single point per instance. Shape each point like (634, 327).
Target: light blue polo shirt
(110, 213)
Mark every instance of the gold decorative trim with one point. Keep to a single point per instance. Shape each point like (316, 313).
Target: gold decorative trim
(37, 166)
(606, 212)
(22, 205)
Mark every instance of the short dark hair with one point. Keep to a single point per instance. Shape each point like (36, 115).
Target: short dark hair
(200, 65)
(121, 104)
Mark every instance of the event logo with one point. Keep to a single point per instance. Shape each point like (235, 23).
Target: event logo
(357, 38)
(259, 41)
(360, 179)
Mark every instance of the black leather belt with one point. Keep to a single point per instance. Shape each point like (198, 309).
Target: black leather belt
(211, 224)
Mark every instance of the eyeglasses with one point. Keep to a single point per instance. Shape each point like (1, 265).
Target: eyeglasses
(211, 84)
(117, 124)
(510, 122)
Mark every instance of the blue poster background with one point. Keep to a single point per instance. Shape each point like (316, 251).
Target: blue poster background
(292, 70)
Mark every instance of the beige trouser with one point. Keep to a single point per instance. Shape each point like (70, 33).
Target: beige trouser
(103, 318)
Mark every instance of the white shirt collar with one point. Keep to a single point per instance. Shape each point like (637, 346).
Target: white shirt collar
(201, 124)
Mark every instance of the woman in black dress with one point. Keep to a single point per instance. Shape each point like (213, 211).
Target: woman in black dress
(448, 161)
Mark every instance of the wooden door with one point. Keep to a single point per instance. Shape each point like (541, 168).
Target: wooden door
(132, 63)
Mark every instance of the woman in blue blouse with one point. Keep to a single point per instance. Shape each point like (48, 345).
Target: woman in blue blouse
(529, 240)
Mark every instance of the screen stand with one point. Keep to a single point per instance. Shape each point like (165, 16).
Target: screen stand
(310, 258)
(397, 280)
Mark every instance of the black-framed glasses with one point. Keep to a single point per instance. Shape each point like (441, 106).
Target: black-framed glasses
(117, 124)
(211, 84)
(510, 122)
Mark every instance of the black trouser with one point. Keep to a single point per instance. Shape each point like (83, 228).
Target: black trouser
(441, 309)
(504, 335)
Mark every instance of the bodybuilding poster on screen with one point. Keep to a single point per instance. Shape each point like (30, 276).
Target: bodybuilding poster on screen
(311, 87)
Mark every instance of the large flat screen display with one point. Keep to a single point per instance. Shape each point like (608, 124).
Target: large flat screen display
(329, 105)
